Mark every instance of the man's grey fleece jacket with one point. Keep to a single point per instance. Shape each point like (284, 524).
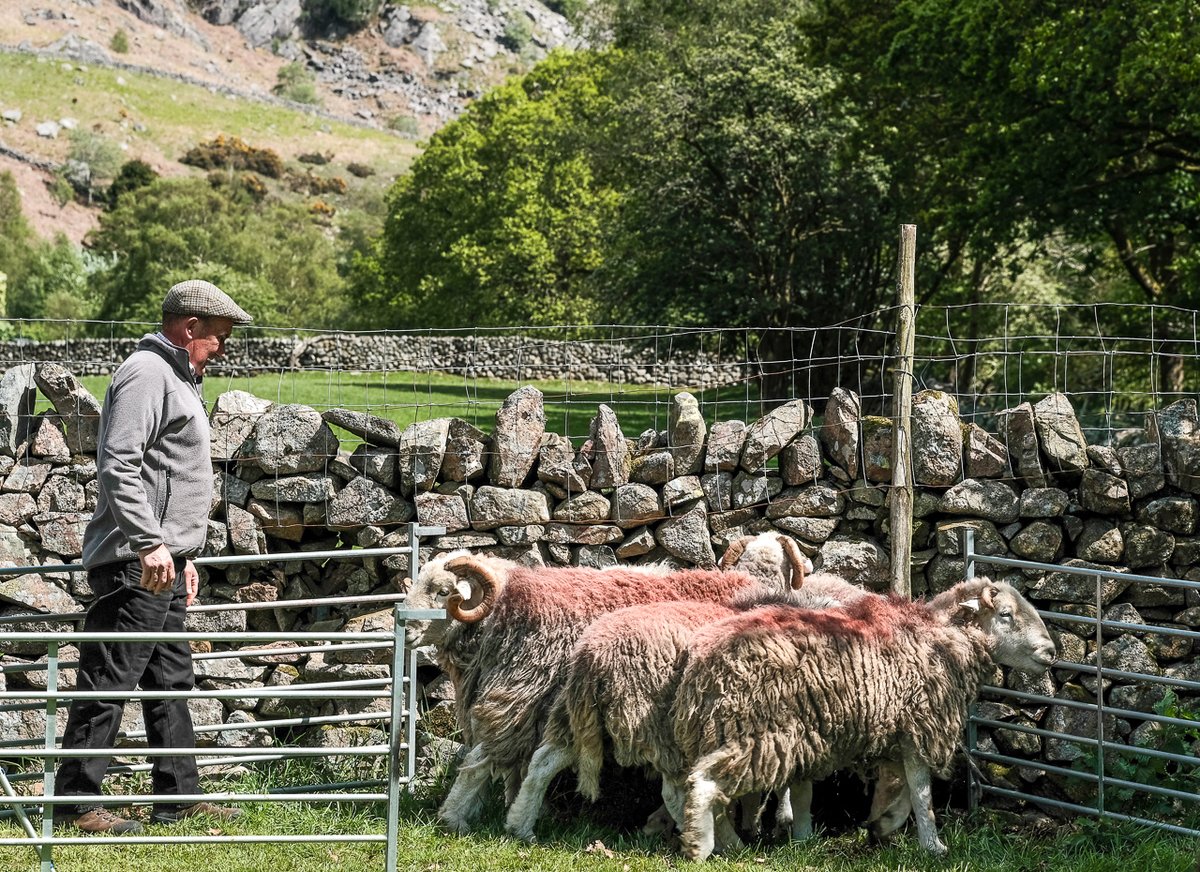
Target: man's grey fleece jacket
(153, 460)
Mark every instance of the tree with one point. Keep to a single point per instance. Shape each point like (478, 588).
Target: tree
(271, 256)
(16, 236)
(753, 199)
(501, 219)
(1047, 116)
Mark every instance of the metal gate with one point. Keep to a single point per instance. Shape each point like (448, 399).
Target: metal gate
(400, 687)
(1109, 778)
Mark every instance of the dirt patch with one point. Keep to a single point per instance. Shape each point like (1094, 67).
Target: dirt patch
(42, 211)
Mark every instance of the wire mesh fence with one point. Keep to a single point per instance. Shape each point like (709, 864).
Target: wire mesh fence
(1114, 360)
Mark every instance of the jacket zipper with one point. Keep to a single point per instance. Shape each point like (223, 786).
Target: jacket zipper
(166, 498)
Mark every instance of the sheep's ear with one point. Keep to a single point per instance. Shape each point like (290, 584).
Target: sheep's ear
(463, 588)
(971, 605)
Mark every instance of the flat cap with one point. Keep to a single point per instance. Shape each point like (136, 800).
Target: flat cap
(198, 297)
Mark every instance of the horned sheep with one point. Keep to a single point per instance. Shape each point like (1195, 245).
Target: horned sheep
(776, 694)
(618, 694)
(506, 638)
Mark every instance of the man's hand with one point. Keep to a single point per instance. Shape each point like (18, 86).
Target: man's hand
(158, 569)
(191, 581)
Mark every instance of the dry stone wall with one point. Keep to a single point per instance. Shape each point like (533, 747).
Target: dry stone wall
(512, 358)
(288, 477)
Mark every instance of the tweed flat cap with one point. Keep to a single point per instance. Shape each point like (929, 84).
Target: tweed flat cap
(198, 297)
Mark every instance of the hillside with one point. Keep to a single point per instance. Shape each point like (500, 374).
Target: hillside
(192, 70)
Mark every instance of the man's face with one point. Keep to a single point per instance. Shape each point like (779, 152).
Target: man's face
(206, 338)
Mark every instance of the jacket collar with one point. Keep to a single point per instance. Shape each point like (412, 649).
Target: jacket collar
(176, 356)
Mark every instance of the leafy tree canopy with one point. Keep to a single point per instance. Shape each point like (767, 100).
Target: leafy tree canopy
(753, 199)
(501, 219)
(270, 256)
(1057, 115)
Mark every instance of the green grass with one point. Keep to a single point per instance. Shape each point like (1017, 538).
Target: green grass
(407, 397)
(978, 844)
(173, 116)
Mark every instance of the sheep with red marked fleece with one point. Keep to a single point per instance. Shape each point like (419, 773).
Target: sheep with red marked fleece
(513, 662)
(776, 693)
(618, 695)
(774, 558)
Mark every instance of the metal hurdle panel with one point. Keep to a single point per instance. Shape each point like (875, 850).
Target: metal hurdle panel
(399, 752)
(1101, 745)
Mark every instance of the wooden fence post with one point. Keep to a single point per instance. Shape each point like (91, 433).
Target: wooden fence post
(902, 486)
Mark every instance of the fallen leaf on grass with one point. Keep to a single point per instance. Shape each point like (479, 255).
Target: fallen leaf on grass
(598, 847)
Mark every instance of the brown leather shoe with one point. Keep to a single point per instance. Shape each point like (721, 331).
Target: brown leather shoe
(207, 809)
(101, 820)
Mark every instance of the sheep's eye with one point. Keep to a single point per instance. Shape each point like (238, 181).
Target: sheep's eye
(1006, 614)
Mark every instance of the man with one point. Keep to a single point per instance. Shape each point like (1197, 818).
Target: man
(155, 479)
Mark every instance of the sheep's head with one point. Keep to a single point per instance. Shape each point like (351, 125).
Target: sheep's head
(463, 584)
(772, 558)
(1015, 631)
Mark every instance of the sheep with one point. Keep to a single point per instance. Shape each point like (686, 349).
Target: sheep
(618, 693)
(773, 558)
(776, 694)
(509, 668)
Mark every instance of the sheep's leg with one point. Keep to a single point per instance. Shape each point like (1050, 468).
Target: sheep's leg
(465, 799)
(548, 761)
(749, 812)
(725, 834)
(917, 775)
(674, 797)
(699, 836)
(890, 803)
(799, 795)
(784, 816)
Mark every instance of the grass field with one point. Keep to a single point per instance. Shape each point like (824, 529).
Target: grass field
(979, 844)
(163, 118)
(408, 397)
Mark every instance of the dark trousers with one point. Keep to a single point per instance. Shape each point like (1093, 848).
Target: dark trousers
(123, 605)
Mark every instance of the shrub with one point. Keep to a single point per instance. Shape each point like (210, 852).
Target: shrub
(352, 13)
(91, 158)
(518, 35)
(322, 210)
(61, 188)
(119, 42)
(315, 158)
(230, 152)
(405, 124)
(133, 174)
(311, 183)
(295, 82)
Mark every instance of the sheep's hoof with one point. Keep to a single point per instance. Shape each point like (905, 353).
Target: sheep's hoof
(525, 836)
(455, 825)
(937, 848)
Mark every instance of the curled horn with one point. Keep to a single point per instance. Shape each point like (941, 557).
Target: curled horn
(484, 589)
(985, 596)
(792, 551)
(734, 552)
